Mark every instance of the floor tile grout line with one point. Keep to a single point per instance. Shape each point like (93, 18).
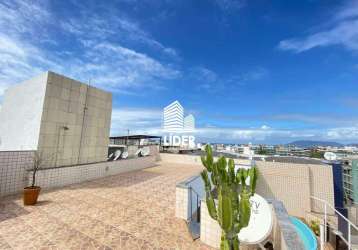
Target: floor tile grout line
(29, 225)
(51, 216)
(119, 228)
(171, 178)
(84, 215)
(101, 208)
(1, 237)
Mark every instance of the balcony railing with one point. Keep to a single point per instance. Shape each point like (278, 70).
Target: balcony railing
(350, 225)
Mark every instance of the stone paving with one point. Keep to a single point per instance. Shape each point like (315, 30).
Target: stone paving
(134, 210)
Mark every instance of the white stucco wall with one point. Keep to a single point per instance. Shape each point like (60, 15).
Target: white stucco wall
(20, 115)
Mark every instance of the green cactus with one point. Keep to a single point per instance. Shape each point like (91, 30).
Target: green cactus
(232, 213)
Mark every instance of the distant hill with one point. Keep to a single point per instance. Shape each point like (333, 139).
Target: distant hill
(310, 144)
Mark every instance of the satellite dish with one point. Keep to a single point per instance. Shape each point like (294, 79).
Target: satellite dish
(109, 157)
(125, 155)
(138, 152)
(330, 156)
(260, 224)
(117, 154)
(145, 151)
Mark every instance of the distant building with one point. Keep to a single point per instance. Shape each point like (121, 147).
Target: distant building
(189, 122)
(173, 117)
(67, 121)
(350, 180)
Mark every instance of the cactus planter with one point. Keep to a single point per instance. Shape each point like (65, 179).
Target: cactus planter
(231, 212)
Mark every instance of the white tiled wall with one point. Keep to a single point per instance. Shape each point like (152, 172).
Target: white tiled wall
(14, 175)
(57, 177)
(13, 165)
(210, 231)
(181, 202)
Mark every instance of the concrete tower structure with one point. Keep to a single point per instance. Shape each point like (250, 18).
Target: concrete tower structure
(67, 121)
(173, 117)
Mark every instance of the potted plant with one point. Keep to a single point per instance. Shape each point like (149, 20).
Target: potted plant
(224, 185)
(314, 225)
(31, 193)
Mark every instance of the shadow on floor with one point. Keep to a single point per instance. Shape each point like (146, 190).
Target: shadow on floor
(119, 180)
(9, 209)
(43, 203)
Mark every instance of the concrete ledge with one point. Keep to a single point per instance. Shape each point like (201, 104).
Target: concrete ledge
(289, 236)
(62, 176)
(13, 171)
(185, 183)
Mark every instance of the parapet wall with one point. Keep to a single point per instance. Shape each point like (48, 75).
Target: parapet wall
(283, 234)
(291, 183)
(13, 170)
(58, 177)
(15, 166)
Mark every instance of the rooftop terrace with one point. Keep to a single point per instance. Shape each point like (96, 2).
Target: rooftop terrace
(134, 210)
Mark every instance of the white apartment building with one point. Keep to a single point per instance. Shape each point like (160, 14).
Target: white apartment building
(173, 117)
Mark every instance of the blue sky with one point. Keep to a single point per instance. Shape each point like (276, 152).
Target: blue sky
(260, 71)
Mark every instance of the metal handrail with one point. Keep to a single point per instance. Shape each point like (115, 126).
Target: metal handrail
(350, 224)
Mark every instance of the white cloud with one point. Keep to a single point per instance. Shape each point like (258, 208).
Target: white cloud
(349, 10)
(204, 74)
(19, 16)
(329, 120)
(211, 81)
(343, 32)
(340, 134)
(110, 65)
(255, 74)
(148, 121)
(19, 60)
(241, 134)
(118, 68)
(138, 120)
(92, 27)
(343, 133)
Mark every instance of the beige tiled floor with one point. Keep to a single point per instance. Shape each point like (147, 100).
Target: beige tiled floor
(127, 211)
